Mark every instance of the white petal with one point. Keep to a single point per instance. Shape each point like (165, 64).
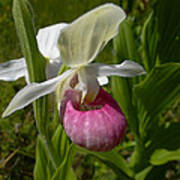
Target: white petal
(81, 41)
(52, 68)
(125, 69)
(32, 92)
(103, 80)
(88, 84)
(13, 70)
(48, 39)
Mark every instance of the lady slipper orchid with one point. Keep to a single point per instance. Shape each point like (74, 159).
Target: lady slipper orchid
(91, 117)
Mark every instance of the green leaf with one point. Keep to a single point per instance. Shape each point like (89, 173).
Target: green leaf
(125, 48)
(142, 175)
(65, 154)
(150, 41)
(165, 138)
(60, 142)
(157, 171)
(124, 43)
(169, 34)
(64, 171)
(160, 88)
(158, 91)
(112, 159)
(40, 169)
(162, 156)
(23, 16)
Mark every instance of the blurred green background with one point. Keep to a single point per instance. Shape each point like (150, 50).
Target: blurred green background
(18, 132)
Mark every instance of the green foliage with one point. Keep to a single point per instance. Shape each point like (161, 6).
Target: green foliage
(63, 153)
(143, 174)
(125, 48)
(167, 137)
(124, 43)
(64, 171)
(168, 29)
(162, 156)
(23, 16)
(40, 169)
(153, 93)
(150, 40)
(60, 142)
(112, 159)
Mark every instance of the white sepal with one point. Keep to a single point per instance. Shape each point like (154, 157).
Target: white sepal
(32, 92)
(125, 69)
(83, 39)
(48, 39)
(13, 70)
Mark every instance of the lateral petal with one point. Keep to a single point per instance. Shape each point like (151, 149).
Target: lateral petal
(13, 70)
(32, 92)
(125, 69)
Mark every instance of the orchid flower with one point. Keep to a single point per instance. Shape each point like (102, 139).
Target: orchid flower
(91, 117)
